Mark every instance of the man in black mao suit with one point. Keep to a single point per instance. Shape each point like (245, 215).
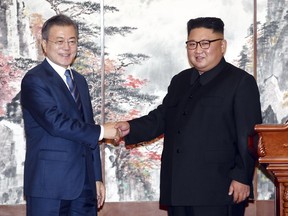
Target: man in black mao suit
(62, 172)
(206, 117)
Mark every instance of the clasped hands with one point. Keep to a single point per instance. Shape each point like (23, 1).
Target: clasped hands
(116, 130)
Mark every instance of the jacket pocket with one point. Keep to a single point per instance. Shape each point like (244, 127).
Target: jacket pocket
(53, 155)
(211, 101)
(219, 156)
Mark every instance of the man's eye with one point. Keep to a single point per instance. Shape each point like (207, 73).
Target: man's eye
(59, 42)
(192, 44)
(204, 43)
(72, 42)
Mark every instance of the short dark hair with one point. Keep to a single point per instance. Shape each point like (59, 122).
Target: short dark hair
(59, 20)
(214, 23)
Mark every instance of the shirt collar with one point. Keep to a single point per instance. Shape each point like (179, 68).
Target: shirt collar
(208, 75)
(59, 69)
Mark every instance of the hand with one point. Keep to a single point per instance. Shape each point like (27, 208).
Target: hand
(101, 193)
(111, 132)
(124, 127)
(240, 191)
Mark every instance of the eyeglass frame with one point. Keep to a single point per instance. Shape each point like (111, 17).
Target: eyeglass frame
(60, 43)
(201, 43)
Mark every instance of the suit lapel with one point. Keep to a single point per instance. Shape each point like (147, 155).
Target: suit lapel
(54, 76)
(59, 83)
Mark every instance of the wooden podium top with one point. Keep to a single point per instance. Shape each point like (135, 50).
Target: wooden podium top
(273, 143)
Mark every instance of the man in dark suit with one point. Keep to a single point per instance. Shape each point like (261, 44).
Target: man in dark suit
(62, 173)
(206, 117)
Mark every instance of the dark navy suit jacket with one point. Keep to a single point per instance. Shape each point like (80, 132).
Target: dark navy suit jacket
(58, 141)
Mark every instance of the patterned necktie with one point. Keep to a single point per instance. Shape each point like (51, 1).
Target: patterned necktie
(73, 89)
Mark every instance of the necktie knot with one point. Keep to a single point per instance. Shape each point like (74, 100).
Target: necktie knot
(67, 73)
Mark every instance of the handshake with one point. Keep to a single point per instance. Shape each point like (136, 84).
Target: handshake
(116, 130)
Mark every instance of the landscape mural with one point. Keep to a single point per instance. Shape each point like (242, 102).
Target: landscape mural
(144, 47)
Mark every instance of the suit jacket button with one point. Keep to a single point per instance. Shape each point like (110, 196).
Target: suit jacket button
(178, 151)
(83, 155)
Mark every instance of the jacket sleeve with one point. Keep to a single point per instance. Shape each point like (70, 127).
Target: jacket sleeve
(50, 108)
(150, 126)
(247, 113)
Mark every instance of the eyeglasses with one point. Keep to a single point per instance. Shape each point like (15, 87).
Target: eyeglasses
(61, 43)
(204, 44)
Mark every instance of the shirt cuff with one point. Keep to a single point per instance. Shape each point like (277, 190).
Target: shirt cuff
(101, 132)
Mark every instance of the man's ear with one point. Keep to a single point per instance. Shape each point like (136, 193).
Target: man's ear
(223, 46)
(43, 45)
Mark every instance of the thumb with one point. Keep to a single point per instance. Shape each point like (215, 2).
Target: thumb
(230, 190)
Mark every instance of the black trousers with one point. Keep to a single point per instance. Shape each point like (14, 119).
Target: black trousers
(228, 210)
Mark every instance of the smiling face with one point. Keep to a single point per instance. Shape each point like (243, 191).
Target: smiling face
(61, 54)
(206, 59)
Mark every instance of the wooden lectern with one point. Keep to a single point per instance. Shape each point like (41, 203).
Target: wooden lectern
(273, 155)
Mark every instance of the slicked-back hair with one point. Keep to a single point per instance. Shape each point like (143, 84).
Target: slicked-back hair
(214, 23)
(59, 20)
